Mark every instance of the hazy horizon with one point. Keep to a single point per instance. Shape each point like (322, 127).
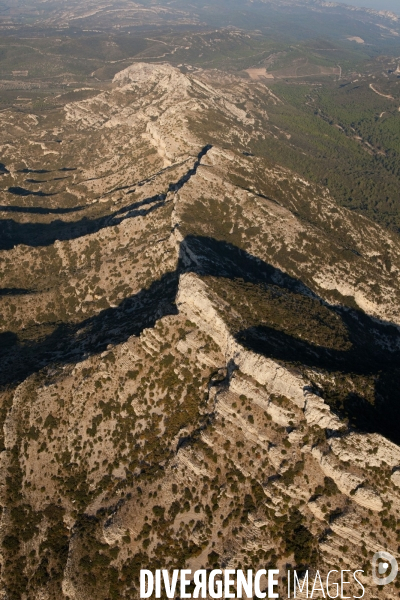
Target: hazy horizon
(393, 5)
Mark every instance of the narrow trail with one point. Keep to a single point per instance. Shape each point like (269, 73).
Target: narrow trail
(380, 93)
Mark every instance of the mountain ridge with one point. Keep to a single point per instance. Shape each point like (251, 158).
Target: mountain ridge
(207, 374)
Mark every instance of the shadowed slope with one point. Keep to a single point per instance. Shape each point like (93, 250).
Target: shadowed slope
(45, 234)
(373, 350)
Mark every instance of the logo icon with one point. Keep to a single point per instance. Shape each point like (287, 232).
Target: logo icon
(384, 568)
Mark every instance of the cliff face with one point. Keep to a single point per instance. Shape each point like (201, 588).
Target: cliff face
(199, 355)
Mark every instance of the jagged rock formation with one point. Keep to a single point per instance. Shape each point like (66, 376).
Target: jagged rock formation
(199, 352)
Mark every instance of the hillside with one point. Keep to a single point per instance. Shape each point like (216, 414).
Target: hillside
(200, 346)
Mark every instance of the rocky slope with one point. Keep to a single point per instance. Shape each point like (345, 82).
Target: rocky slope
(200, 349)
